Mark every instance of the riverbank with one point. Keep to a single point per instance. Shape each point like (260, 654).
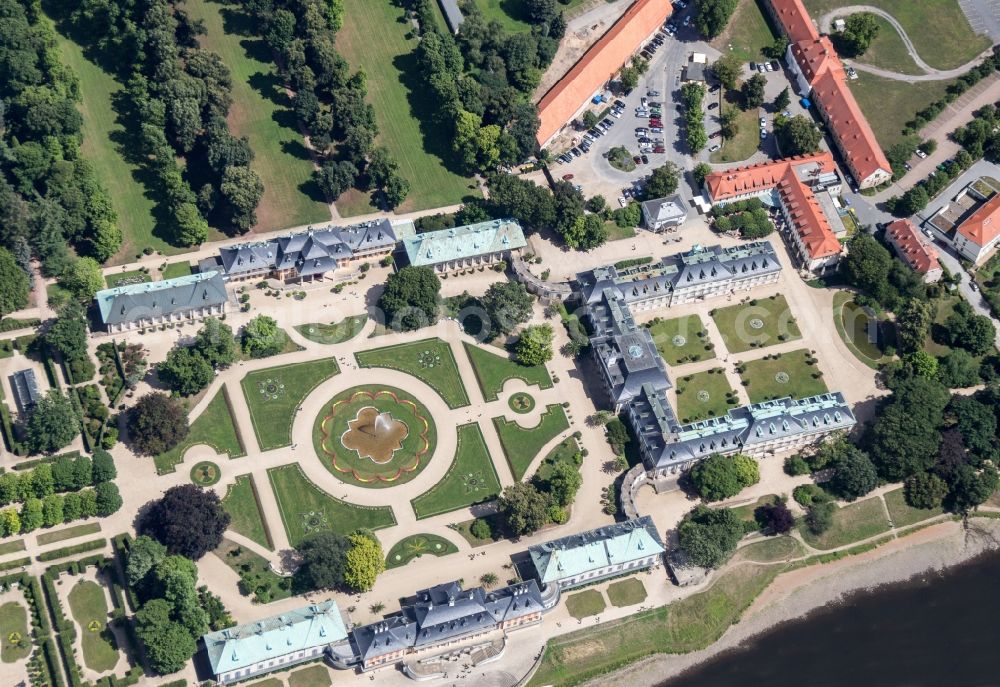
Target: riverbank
(795, 594)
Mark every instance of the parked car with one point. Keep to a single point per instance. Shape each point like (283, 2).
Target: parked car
(567, 177)
(659, 149)
(644, 139)
(636, 159)
(576, 151)
(560, 160)
(655, 124)
(763, 134)
(763, 122)
(585, 147)
(642, 115)
(656, 130)
(653, 103)
(713, 105)
(578, 188)
(645, 160)
(714, 89)
(768, 67)
(616, 113)
(753, 66)
(646, 56)
(687, 20)
(760, 69)
(643, 102)
(715, 134)
(714, 148)
(775, 66)
(641, 130)
(619, 103)
(609, 122)
(921, 154)
(907, 166)
(622, 202)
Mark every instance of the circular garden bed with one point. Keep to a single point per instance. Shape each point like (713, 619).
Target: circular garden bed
(374, 436)
(206, 473)
(521, 402)
(418, 545)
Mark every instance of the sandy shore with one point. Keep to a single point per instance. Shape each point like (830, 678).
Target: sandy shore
(795, 594)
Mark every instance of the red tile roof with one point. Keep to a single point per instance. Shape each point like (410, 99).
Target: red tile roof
(601, 62)
(983, 226)
(795, 20)
(798, 198)
(817, 58)
(919, 255)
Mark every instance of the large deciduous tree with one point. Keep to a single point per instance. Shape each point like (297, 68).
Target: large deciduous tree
(52, 423)
(797, 135)
(860, 30)
(709, 535)
(507, 304)
(524, 508)
(663, 181)
(188, 520)
(322, 562)
(363, 561)
(411, 298)
(156, 424)
(534, 347)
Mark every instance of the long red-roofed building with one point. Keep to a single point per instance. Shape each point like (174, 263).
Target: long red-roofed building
(598, 65)
(912, 249)
(796, 181)
(820, 74)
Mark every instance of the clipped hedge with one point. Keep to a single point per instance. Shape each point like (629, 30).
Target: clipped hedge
(72, 550)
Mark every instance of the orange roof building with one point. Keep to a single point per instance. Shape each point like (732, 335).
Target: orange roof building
(980, 233)
(820, 73)
(920, 255)
(795, 181)
(598, 65)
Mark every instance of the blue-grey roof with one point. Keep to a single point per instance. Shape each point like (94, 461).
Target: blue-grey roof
(160, 298)
(669, 209)
(300, 630)
(26, 387)
(452, 14)
(595, 549)
(468, 241)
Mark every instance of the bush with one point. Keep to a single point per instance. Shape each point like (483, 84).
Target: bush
(481, 529)
(819, 517)
(796, 466)
(807, 494)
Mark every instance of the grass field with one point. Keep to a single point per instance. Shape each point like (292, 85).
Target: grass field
(938, 28)
(89, 608)
(335, 333)
(680, 339)
(313, 676)
(902, 513)
(128, 197)
(853, 326)
(470, 479)
(521, 445)
(770, 550)
(493, 371)
(888, 51)
(69, 533)
(703, 395)
(215, 427)
(786, 374)
(889, 104)
(627, 592)
(274, 394)
(261, 112)
(686, 625)
(11, 546)
(375, 37)
(429, 360)
(176, 269)
(415, 546)
(126, 278)
(745, 142)
(748, 32)
(14, 626)
(586, 603)
(757, 323)
(851, 523)
(305, 508)
(244, 512)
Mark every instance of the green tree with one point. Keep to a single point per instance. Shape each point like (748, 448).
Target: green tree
(913, 323)
(411, 298)
(859, 31)
(322, 560)
(867, 265)
(363, 562)
(534, 347)
(712, 16)
(716, 478)
(590, 119)
(747, 470)
(819, 516)
(922, 364)
(215, 343)
(796, 135)
(563, 482)
(977, 422)
(72, 510)
(169, 645)
(336, 177)
(156, 424)
(241, 189)
(524, 508)
(10, 522)
(52, 424)
(700, 173)
(188, 520)
(103, 467)
(507, 304)
(710, 535)
(31, 515)
(753, 91)
(261, 337)
(41, 480)
(13, 282)
(728, 69)
(854, 474)
(144, 555)
(958, 369)
(663, 181)
(628, 78)
(184, 371)
(68, 334)
(925, 490)
(911, 202)
(968, 487)
(904, 438)
(83, 279)
(783, 100)
(109, 500)
(52, 510)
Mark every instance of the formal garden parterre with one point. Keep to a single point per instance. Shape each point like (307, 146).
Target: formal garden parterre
(429, 360)
(215, 428)
(522, 444)
(757, 323)
(471, 478)
(681, 339)
(703, 395)
(243, 505)
(778, 375)
(418, 545)
(494, 371)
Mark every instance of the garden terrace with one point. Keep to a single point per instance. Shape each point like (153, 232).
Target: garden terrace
(792, 374)
(521, 445)
(429, 360)
(470, 479)
(215, 428)
(274, 395)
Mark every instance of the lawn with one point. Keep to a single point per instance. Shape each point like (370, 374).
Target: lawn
(770, 550)
(748, 33)
(69, 533)
(126, 278)
(335, 333)
(780, 375)
(176, 269)
(521, 445)
(343, 436)
(429, 360)
(415, 546)
(89, 608)
(988, 278)
(256, 575)
(746, 140)
(746, 513)
(261, 111)
(511, 13)
(681, 339)
(586, 603)
(888, 51)
(12, 546)
(889, 104)
(274, 395)
(902, 514)
(493, 371)
(241, 502)
(305, 508)
(759, 323)
(376, 37)
(14, 626)
(215, 428)
(313, 676)
(626, 592)
(943, 308)
(464, 528)
(128, 196)
(470, 479)
(938, 28)
(703, 395)
(851, 523)
(685, 625)
(853, 325)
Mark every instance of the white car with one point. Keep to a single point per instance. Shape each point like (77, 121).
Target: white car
(763, 122)
(768, 67)
(714, 148)
(617, 114)
(622, 201)
(921, 154)
(656, 130)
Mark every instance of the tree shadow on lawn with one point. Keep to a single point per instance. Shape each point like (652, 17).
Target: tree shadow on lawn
(238, 22)
(296, 149)
(436, 141)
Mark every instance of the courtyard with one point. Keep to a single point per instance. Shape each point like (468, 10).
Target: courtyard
(779, 375)
(703, 395)
(756, 323)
